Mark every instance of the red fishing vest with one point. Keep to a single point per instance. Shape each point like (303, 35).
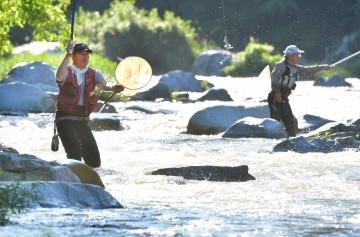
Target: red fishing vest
(69, 95)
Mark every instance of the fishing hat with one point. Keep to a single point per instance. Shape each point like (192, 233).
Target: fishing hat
(81, 47)
(293, 49)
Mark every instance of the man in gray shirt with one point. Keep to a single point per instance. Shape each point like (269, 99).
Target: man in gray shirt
(283, 81)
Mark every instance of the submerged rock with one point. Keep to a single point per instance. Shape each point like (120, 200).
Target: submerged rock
(160, 91)
(212, 63)
(85, 173)
(334, 81)
(216, 94)
(184, 81)
(337, 138)
(23, 97)
(37, 74)
(64, 195)
(105, 122)
(311, 122)
(148, 110)
(217, 119)
(254, 127)
(209, 173)
(109, 108)
(4, 148)
(23, 167)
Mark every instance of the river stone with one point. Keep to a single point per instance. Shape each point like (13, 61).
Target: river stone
(216, 94)
(183, 81)
(254, 127)
(337, 138)
(159, 91)
(209, 173)
(148, 110)
(4, 148)
(37, 74)
(109, 108)
(105, 122)
(217, 119)
(311, 122)
(51, 194)
(212, 63)
(32, 99)
(84, 172)
(23, 167)
(334, 81)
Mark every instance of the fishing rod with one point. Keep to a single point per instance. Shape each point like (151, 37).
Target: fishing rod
(73, 9)
(345, 59)
(226, 40)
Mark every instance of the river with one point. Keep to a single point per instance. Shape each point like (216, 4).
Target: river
(294, 194)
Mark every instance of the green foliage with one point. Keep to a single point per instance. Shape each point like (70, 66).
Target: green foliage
(123, 30)
(252, 60)
(13, 200)
(103, 95)
(102, 64)
(46, 16)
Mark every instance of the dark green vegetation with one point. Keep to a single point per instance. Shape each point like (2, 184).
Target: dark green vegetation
(118, 28)
(13, 199)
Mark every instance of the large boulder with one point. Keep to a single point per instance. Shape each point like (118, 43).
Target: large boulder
(159, 91)
(184, 81)
(337, 138)
(37, 74)
(84, 172)
(217, 119)
(64, 195)
(334, 81)
(105, 121)
(212, 63)
(23, 167)
(209, 173)
(216, 94)
(255, 127)
(20, 96)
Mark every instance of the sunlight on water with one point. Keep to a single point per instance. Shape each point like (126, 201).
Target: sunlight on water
(293, 195)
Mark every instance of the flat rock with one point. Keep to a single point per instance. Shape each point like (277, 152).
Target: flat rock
(51, 194)
(209, 173)
(217, 119)
(216, 94)
(105, 122)
(212, 63)
(334, 81)
(253, 127)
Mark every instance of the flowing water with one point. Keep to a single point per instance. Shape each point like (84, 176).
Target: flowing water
(293, 194)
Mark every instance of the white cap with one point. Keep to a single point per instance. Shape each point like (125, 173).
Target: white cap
(293, 49)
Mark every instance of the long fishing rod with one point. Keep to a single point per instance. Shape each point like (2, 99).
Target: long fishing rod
(73, 9)
(226, 40)
(345, 59)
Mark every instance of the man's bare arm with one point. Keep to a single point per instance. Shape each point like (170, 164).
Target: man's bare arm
(61, 73)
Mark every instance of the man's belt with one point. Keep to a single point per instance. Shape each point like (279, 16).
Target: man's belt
(75, 118)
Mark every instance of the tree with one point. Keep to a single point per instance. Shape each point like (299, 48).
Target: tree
(47, 17)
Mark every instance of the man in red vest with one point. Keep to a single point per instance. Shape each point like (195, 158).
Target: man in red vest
(76, 100)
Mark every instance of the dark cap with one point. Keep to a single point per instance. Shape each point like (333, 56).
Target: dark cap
(81, 47)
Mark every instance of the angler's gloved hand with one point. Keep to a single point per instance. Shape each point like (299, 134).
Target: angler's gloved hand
(70, 47)
(118, 88)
